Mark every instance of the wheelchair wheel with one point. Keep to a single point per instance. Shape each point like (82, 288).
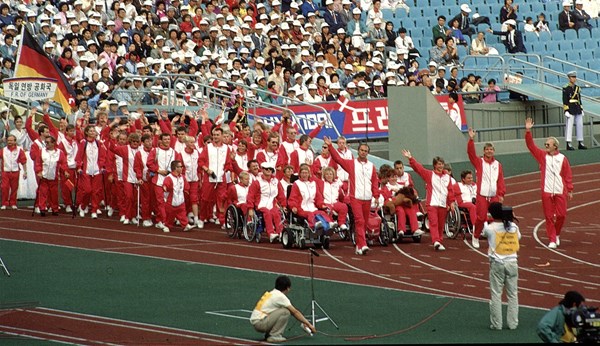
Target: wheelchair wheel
(416, 239)
(288, 238)
(384, 235)
(302, 243)
(452, 226)
(231, 221)
(325, 242)
(250, 229)
(422, 217)
(353, 236)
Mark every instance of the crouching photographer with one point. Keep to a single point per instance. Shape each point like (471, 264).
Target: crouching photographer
(570, 321)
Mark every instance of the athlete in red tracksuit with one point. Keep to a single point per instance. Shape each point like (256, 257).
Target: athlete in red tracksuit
(440, 196)
(147, 200)
(128, 176)
(556, 183)
(91, 166)
(159, 164)
(48, 164)
(215, 160)
(490, 182)
(261, 197)
(306, 197)
(237, 194)
(13, 161)
(333, 195)
(192, 172)
(67, 138)
(363, 186)
(175, 190)
(322, 161)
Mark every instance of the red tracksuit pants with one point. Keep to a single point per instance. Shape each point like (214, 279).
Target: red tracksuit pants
(361, 211)
(48, 193)
(341, 209)
(482, 204)
(175, 213)
(10, 186)
(437, 220)
(90, 190)
(403, 212)
(64, 190)
(147, 200)
(555, 212)
(159, 207)
(213, 193)
(272, 219)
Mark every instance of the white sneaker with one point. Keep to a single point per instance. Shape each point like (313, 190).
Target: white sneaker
(147, 223)
(166, 229)
(81, 212)
(122, 219)
(159, 225)
(318, 225)
(273, 237)
(418, 233)
(438, 246)
(14, 207)
(358, 251)
(94, 216)
(365, 249)
(126, 222)
(552, 245)
(200, 224)
(217, 222)
(400, 233)
(344, 227)
(110, 211)
(86, 210)
(475, 242)
(37, 210)
(99, 212)
(188, 227)
(557, 241)
(3, 207)
(68, 209)
(333, 224)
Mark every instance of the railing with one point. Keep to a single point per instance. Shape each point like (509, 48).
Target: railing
(211, 95)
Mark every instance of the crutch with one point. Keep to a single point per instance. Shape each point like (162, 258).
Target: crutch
(37, 194)
(74, 200)
(138, 216)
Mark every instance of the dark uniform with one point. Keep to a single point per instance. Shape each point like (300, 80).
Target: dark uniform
(571, 94)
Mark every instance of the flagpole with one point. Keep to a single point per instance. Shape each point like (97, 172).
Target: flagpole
(20, 50)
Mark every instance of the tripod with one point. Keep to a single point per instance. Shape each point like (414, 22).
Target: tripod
(314, 303)
(4, 266)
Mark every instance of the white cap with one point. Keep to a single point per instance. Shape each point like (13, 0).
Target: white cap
(566, 3)
(312, 86)
(48, 44)
(363, 84)
(285, 26)
(294, 5)
(260, 60)
(351, 85)
(276, 3)
(377, 20)
(432, 63)
(123, 104)
(341, 31)
(356, 10)
(377, 82)
(334, 86)
(465, 8)
(304, 53)
(328, 2)
(4, 109)
(268, 165)
(380, 44)
(140, 65)
(511, 22)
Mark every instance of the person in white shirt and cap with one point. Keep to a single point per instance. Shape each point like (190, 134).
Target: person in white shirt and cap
(312, 96)
(464, 21)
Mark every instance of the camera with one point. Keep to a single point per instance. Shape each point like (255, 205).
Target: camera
(213, 175)
(586, 322)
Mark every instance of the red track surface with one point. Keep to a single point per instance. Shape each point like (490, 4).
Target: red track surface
(460, 271)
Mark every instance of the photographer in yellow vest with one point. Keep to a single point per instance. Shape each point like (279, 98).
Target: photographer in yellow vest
(503, 238)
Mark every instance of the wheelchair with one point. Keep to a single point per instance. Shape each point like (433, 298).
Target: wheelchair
(389, 229)
(298, 233)
(254, 227)
(235, 222)
(377, 228)
(458, 221)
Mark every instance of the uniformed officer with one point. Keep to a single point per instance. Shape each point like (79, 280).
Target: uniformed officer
(573, 111)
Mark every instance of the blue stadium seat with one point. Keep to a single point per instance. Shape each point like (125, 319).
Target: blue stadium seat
(388, 14)
(584, 34)
(545, 36)
(565, 45)
(407, 23)
(422, 23)
(552, 46)
(591, 43)
(538, 47)
(537, 7)
(561, 54)
(578, 45)
(558, 35)
(435, 3)
(571, 35)
(551, 79)
(586, 55)
(596, 32)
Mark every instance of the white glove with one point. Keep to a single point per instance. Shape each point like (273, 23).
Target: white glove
(567, 114)
(582, 113)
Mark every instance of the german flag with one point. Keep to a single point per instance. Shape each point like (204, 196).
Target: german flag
(32, 61)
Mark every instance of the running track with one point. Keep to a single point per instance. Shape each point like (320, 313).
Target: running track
(461, 271)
